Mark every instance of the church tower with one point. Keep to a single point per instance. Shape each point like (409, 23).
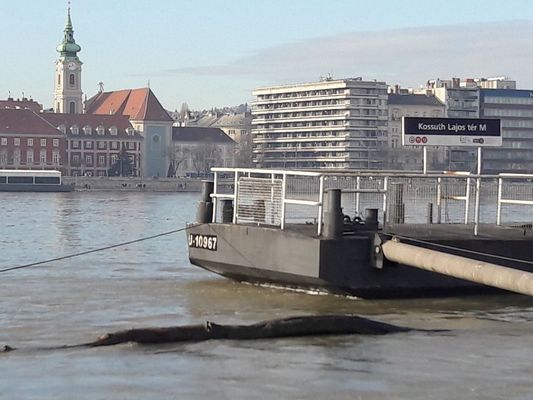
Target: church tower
(68, 94)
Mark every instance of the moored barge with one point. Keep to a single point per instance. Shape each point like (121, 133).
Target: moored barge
(30, 180)
(325, 231)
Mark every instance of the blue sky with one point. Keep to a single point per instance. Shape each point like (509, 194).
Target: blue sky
(213, 53)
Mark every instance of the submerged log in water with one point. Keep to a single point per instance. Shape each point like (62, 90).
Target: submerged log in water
(286, 327)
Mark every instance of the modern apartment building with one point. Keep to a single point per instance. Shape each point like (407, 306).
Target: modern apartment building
(515, 110)
(332, 124)
(410, 157)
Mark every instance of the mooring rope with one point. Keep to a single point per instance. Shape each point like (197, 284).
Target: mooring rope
(82, 253)
(444, 246)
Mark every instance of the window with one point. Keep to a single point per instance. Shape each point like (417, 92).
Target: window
(114, 158)
(76, 159)
(89, 160)
(113, 130)
(101, 145)
(16, 141)
(100, 130)
(58, 82)
(101, 160)
(131, 146)
(16, 156)
(29, 156)
(42, 157)
(72, 80)
(72, 108)
(88, 144)
(55, 158)
(130, 131)
(114, 145)
(30, 142)
(3, 157)
(75, 130)
(62, 128)
(55, 142)
(43, 142)
(4, 141)
(87, 130)
(75, 144)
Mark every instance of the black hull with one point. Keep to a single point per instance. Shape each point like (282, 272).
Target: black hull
(296, 259)
(35, 188)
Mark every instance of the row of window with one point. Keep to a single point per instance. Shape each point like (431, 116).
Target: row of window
(102, 159)
(508, 100)
(320, 113)
(100, 130)
(325, 92)
(233, 131)
(304, 104)
(18, 157)
(102, 145)
(397, 114)
(71, 80)
(29, 141)
(494, 112)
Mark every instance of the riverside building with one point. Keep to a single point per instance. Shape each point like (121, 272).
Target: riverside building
(514, 108)
(333, 124)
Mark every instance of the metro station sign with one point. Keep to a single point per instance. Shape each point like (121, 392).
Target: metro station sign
(451, 132)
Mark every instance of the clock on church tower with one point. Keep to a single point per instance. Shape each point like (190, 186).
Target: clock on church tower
(68, 94)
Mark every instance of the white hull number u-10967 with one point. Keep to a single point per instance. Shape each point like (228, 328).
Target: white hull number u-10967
(208, 242)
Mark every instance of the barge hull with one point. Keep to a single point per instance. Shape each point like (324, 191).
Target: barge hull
(295, 258)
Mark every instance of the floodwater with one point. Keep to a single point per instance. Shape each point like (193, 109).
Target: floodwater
(487, 352)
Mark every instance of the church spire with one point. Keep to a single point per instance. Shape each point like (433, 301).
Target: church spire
(68, 47)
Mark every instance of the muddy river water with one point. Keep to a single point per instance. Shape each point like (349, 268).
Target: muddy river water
(486, 352)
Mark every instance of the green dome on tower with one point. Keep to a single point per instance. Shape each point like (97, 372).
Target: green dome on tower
(68, 47)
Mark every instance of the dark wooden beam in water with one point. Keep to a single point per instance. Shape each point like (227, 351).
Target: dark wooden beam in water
(278, 328)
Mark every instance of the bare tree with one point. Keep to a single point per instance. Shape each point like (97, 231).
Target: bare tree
(243, 153)
(205, 156)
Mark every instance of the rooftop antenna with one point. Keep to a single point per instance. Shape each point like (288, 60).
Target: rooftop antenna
(148, 83)
(100, 87)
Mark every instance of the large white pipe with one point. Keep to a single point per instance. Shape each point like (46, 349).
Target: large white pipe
(460, 267)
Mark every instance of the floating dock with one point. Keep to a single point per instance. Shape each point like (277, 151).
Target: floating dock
(317, 231)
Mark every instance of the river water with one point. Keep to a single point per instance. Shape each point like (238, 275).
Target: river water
(487, 352)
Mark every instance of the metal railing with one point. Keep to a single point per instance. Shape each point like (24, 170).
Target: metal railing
(277, 197)
(515, 201)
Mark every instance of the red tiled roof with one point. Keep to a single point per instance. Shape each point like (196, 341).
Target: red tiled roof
(121, 122)
(24, 103)
(136, 104)
(25, 121)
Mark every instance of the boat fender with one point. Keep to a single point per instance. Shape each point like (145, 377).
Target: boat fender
(358, 220)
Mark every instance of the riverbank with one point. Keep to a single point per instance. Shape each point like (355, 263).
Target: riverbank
(136, 184)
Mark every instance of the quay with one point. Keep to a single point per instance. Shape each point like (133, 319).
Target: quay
(134, 184)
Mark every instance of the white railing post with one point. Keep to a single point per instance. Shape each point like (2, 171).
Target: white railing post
(476, 210)
(283, 193)
(320, 204)
(214, 198)
(235, 197)
(467, 200)
(385, 189)
(499, 209)
(439, 199)
(357, 195)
